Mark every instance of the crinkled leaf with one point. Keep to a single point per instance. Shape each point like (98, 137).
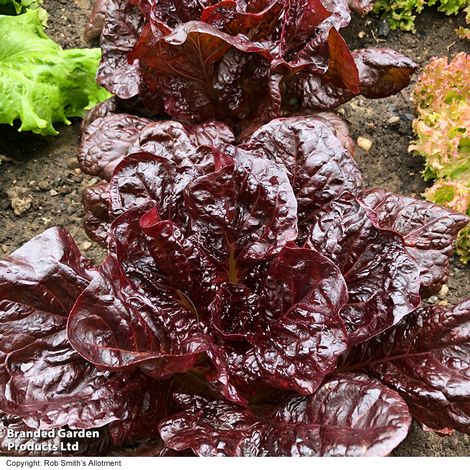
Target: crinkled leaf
(428, 230)
(380, 72)
(382, 278)
(42, 378)
(426, 358)
(317, 164)
(115, 325)
(244, 213)
(290, 321)
(350, 415)
(106, 140)
(170, 157)
(145, 306)
(303, 293)
(196, 67)
(340, 129)
(239, 61)
(120, 31)
(40, 83)
(256, 21)
(97, 219)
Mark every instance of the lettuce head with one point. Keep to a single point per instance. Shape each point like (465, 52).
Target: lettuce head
(40, 83)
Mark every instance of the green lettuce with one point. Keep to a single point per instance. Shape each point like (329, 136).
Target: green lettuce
(442, 128)
(15, 7)
(40, 83)
(401, 14)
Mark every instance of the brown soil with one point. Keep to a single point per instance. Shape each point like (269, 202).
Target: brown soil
(43, 182)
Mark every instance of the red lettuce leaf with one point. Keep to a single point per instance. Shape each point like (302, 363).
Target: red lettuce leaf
(95, 23)
(382, 278)
(116, 325)
(286, 323)
(340, 129)
(106, 140)
(97, 219)
(243, 214)
(170, 156)
(318, 166)
(303, 293)
(426, 358)
(380, 72)
(135, 314)
(42, 378)
(350, 415)
(202, 73)
(256, 20)
(428, 231)
(151, 302)
(240, 62)
(120, 31)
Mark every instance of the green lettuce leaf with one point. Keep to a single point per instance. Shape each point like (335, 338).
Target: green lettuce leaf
(402, 13)
(40, 83)
(442, 127)
(15, 7)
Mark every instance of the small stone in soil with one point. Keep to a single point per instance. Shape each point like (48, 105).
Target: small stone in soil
(20, 199)
(72, 163)
(53, 192)
(86, 246)
(384, 28)
(364, 143)
(443, 292)
(44, 185)
(394, 120)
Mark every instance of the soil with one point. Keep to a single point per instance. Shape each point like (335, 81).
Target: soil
(38, 175)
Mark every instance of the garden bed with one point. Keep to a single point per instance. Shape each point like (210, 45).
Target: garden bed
(43, 185)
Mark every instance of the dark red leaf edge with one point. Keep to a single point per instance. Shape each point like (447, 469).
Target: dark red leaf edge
(428, 230)
(230, 61)
(425, 358)
(43, 380)
(382, 277)
(350, 415)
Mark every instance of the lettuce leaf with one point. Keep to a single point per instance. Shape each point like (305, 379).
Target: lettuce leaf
(40, 83)
(401, 14)
(16, 7)
(442, 128)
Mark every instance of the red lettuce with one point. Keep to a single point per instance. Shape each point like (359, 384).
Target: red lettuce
(428, 230)
(254, 300)
(370, 420)
(426, 357)
(239, 62)
(42, 378)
